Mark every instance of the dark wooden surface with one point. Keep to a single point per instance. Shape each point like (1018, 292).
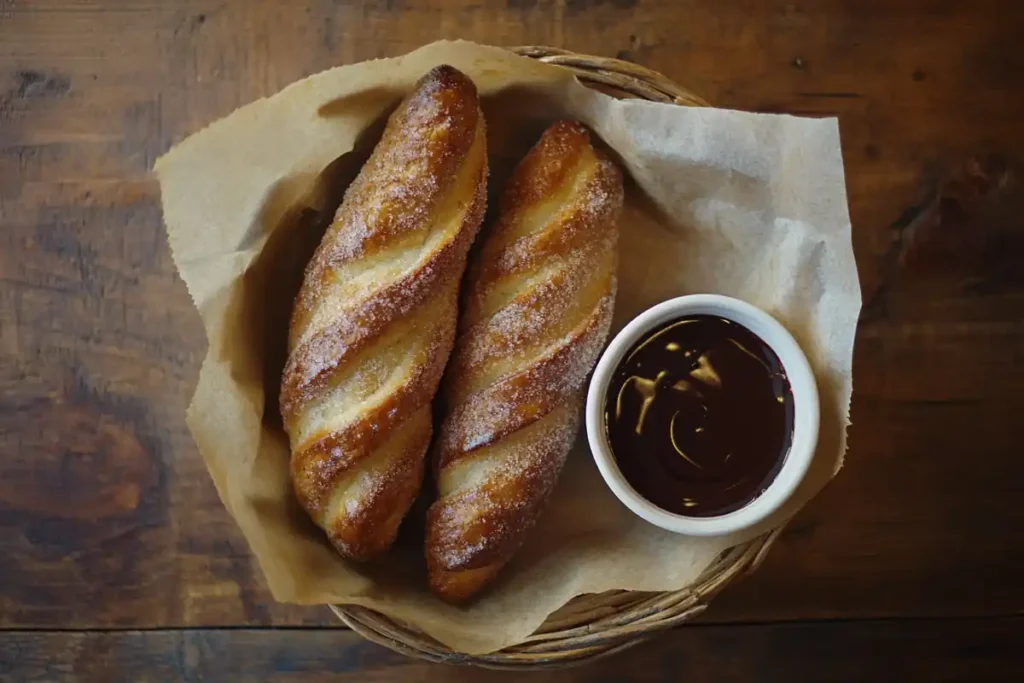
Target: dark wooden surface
(968, 650)
(117, 560)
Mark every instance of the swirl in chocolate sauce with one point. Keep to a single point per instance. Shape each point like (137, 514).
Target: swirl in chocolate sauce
(699, 414)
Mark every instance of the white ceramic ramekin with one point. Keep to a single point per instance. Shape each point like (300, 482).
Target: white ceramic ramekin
(805, 404)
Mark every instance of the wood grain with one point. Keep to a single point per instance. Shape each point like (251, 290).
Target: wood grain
(107, 517)
(967, 650)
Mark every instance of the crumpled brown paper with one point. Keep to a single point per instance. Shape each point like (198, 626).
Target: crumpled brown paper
(748, 205)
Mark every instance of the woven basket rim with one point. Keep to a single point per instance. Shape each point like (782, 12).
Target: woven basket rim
(593, 625)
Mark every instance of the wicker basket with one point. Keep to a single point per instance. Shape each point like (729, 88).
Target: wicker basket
(589, 626)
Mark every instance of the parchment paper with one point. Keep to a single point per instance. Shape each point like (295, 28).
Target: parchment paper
(749, 205)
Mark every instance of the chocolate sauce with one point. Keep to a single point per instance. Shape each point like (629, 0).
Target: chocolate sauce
(699, 414)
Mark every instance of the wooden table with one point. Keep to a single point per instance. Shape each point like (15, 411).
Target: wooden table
(117, 561)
